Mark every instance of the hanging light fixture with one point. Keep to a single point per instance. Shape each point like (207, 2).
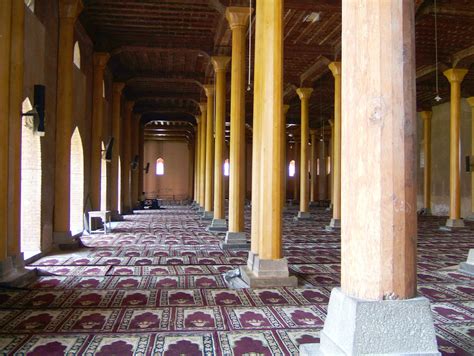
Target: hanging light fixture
(437, 97)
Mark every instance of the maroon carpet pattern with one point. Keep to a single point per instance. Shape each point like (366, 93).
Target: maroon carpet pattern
(154, 286)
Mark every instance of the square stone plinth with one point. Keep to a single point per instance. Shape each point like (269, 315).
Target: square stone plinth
(363, 327)
(468, 266)
(235, 240)
(267, 273)
(303, 215)
(207, 215)
(218, 225)
(455, 223)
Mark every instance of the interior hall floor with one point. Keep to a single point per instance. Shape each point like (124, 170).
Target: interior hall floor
(155, 286)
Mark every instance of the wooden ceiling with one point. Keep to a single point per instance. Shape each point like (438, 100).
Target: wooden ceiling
(161, 49)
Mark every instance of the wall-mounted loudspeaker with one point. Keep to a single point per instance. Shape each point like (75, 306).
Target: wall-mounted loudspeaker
(469, 163)
(107, 153)
(134, 163)
(147, 168)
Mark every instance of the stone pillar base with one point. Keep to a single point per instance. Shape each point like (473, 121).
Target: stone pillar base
(335, 224)
(115, 216)
(234, 241)
(207, 215)
(267, 273)
(302, 215)
(468, 266)
(200, 210)
(313, 204)
(64, 240)
(455, 223)
(13, 272)
(363, 327)
(218, 225)
(329, 208)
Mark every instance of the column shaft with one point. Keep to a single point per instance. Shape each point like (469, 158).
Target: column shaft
(141, 159)
(202, 175)
(238, 21)
(135, 194)
(455, 77)
(269, 91)
(284, 168)
(116, 131)
(5, 35)
(126, 152)
(335, 68)
(470, 101)
(197, 150)
(426, 116)
(379, 225)
(208, 202)
(313, 171)
(15, 125)
(68, 11)
(304, 94)
(100, 61)
(220, 64)
(191, 169)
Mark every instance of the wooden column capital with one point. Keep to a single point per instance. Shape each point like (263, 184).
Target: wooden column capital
(209, 90)
(455, 75)
(220, 63)
(100, 59)
(285, 109)
(203, 108)
(426, 115)
(70, 9)
(335, 68)
(118, 87)
(237, 16)
(304, 93)
(470, 101)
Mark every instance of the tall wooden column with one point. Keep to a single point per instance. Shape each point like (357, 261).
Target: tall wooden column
(268, 267)
(470, 101)
(5, 50)
(283, 154)
(304, 94)
(455, 77)
(313, 191)
(68, 12)
(208, 201)
(100, 61)
(197, 132)
(191, 145)
(135, 194)
(15, 126)
(238, 20)
(202, 168)
(378, 269)
(330, 167)
(426, 117)
(219, 223)
(296, 177)
(141, 159)
(335, 68)
(116, 132)
(126, 146)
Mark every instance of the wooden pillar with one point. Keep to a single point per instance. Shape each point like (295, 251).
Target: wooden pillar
(141, 159)
(238, 20)
(68, 12)
(296, 178)
(283, 154)
(202, 169)
(470, 101)
(5, 51)
(313, 191)
(15, 127)
(426, 117)
(197, 150)
(330, 164)
(220, 65)
(335, 68)
(126, 146)
(191, 150)
(268, 267)
(379, 228)
(135, 194)
(455, 77)
(116, 132)
(304, 94)
(100, 61)
(208, 201)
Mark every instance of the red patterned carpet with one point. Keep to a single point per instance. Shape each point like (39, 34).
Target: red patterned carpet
(154, 287)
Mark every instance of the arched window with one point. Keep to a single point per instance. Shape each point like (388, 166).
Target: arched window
(292, 168)
(77, 184)
(328, 168)
(160, 167)
(77, 55)
(31, 173)
(317, 166)
(226, 167)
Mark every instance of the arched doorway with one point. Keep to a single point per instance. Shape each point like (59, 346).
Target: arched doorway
(77, 184)
(103, 182)
(30, 185)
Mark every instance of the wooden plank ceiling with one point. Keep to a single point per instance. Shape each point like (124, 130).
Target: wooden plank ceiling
(161, 49)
